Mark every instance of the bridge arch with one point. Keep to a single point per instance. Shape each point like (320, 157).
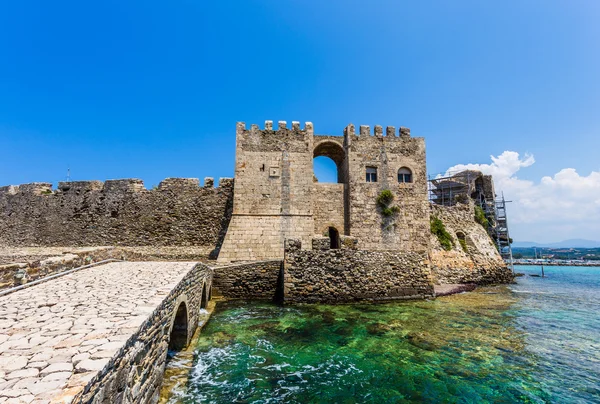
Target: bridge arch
(179, 330)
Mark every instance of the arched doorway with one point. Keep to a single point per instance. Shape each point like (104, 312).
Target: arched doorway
(329, 156)
(334, 238)
(179, 331)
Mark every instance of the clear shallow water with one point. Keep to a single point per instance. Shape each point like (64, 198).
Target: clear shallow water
(537, 341)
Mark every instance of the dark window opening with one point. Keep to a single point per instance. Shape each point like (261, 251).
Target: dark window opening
(404, 175)
(371, 174)
(334, 238)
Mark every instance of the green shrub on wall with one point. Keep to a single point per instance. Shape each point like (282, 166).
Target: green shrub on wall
(438, 228)
(384, 200)
(480, 217)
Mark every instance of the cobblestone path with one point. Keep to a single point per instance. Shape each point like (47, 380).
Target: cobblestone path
(56, 336)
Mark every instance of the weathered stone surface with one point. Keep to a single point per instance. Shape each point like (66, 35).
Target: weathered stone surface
(57, 367)
(407, 230)
(481, 264)
(118, 212)
(346, 275)
(90, 365)
(254, 280)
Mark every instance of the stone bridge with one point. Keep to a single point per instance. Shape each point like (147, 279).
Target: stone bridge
(100, 334)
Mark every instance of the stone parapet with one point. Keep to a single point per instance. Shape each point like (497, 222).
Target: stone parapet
(347, 275)
(252, 280)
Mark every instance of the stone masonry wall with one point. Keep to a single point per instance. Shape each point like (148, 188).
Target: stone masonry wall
(135, 374)
(408, 230)
(328, 203)
(480, 264)
(272, 198)
(253, 280)
(345, 275)
(116, 212)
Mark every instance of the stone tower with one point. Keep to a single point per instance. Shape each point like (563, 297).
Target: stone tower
(272, 200)
(275, 197)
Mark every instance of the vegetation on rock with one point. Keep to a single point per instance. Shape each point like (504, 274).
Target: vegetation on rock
(438, 228)
(480, 217)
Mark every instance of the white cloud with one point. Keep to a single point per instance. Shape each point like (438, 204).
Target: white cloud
(563, 206)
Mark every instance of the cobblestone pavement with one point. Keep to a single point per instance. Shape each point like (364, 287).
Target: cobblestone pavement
(56, 336)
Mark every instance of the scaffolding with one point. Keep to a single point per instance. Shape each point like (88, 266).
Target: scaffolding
(460, 187)
(503, 240)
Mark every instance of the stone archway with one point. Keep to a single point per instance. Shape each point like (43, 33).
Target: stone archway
(335, 152)
(178, 337)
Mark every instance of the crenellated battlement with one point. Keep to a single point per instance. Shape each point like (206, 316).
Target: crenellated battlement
(271, 139)
(112, 187)
(268, 127)
(116, 212)
(365, 132)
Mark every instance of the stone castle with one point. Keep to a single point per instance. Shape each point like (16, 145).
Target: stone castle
(376, 218)
(276, 197)
(92, 299)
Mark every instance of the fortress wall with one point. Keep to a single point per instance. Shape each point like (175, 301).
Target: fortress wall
(252, 238)
(116, 212)
(272, 198)
(481, 264)
(328, 205)
(322, 275)
(253, 280)
(408, 230)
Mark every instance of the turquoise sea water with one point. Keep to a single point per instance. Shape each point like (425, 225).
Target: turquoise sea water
(536, 341)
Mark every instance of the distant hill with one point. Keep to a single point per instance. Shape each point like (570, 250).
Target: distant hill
(572, 243)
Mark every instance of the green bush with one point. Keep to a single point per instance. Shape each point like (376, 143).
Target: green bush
(390, 211)
(438, 228)
(385, 198)
(480, 217)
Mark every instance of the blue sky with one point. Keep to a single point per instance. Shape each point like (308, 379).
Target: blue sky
(153, 89)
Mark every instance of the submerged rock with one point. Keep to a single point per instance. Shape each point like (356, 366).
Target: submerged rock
(378, 328)
(421, 340)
